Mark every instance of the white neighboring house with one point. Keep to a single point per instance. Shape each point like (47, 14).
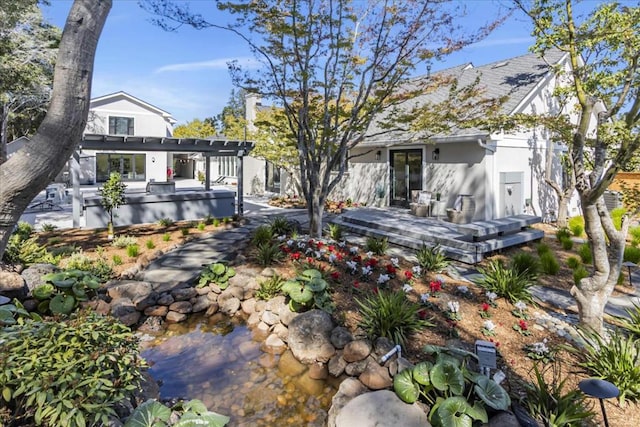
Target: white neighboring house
(123, 114)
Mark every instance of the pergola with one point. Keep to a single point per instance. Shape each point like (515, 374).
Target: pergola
(217, 147)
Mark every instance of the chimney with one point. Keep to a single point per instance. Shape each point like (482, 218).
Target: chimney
(252, 102)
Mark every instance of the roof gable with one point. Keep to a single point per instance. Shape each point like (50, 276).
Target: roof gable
(101, 100)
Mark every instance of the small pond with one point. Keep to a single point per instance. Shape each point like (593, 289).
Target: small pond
(219, 361)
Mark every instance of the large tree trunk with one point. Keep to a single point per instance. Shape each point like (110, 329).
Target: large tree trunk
(315, 209)
(607, 248)
(31, 169)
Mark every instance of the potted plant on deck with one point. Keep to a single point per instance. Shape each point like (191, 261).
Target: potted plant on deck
(112, 193)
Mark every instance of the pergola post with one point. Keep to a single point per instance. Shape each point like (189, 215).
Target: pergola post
(207, 172)
(240, 184)
(75, 183)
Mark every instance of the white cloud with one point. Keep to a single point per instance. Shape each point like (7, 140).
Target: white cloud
(214, 64)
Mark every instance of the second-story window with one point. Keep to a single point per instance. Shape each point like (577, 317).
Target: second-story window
(120, 125)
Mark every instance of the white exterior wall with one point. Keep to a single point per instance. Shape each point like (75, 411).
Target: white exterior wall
(364, 177)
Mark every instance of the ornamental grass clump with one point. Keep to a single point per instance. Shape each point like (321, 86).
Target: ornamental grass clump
(391, 315)
(432, 258)
(525, 263)
(506, 282)
(549, 263)
(631, 323)
(70, 373)
(262, 235)
(378, 246)
(615, 359)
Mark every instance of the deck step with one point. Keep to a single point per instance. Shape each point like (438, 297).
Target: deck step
(499, 226)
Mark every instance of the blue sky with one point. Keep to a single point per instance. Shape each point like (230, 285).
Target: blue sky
(185, 72)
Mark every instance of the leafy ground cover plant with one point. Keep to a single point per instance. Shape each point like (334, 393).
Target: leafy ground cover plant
(390, 315)
(77, 370)
(551, 402)
(124, 241)
(192, 413)
(308, 290)
(506, 282)
(23, 248)
(458, 396)
(616, 359)
(432, 259)
(216, 273)
(62, 292)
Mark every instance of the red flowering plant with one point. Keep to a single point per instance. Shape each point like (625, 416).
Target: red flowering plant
(391, 270)
(484, 310)
(522, 327)
(407, 275)
(435, 286)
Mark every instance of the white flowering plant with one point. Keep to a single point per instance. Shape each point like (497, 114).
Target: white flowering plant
(520, 310)
(488, 328)
(540, 351)
(453, 312)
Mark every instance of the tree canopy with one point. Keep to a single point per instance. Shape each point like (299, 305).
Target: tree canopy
(332, 67)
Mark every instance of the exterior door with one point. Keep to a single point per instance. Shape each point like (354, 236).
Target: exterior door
(406, 175)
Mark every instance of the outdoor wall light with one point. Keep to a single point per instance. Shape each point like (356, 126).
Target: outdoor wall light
(153, 159)
(436, 154)
(378, 155)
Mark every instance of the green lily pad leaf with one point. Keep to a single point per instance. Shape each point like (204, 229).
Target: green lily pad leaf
(78, 290)
(421, 373)
(405, 387)
(65, 283)
(210, 419)
(195, 405)
(43, 306)
(446, 376)
(317, 284)
(44, 291)
(91, 282)
(492, 394)
(62, 304)
(301, 294)
(452, 413)
(231, 272)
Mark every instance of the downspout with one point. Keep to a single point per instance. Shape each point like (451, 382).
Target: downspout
(489, 205)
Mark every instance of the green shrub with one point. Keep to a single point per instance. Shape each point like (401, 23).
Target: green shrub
(78, 261)
(23, 229)
(563, 233)
(184, 231)
(201, 226)
(280, 226)
(99, 267)
(634, 232)
(270, 287)
(378, 246)
(584, 252)
(632, 254)
(525, 263)
(165, 222)
(216, 222)
(616, 360)
(576, 225)
(133, 251)
(567, 244)
(549, 263)
(268, 253)
(335, 232)
(579, 273)
(552, 404)
(64, 251)
(506, 282)
(54, 240)
(390, 315)
(616, 217)
(124, 241)
(76, 372)
(432, 258)
(573, 262)
(27, 251)
(542, 248)
(48, 227)
(263, 234)
(308, 290)
(216, 273)
(150, 244)
(116, 259)
(166, 237)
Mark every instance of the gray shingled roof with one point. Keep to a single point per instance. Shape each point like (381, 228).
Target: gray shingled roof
(515, 77)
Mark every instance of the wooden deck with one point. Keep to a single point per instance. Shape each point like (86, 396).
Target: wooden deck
(468, 243)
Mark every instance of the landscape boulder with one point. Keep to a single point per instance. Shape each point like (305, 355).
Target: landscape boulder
(310, 337)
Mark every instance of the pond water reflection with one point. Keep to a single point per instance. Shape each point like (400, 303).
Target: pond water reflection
(215, 359)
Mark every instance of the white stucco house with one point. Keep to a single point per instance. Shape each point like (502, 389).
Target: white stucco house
(503, 171)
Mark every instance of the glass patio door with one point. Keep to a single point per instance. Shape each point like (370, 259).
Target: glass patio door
(406, 175)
